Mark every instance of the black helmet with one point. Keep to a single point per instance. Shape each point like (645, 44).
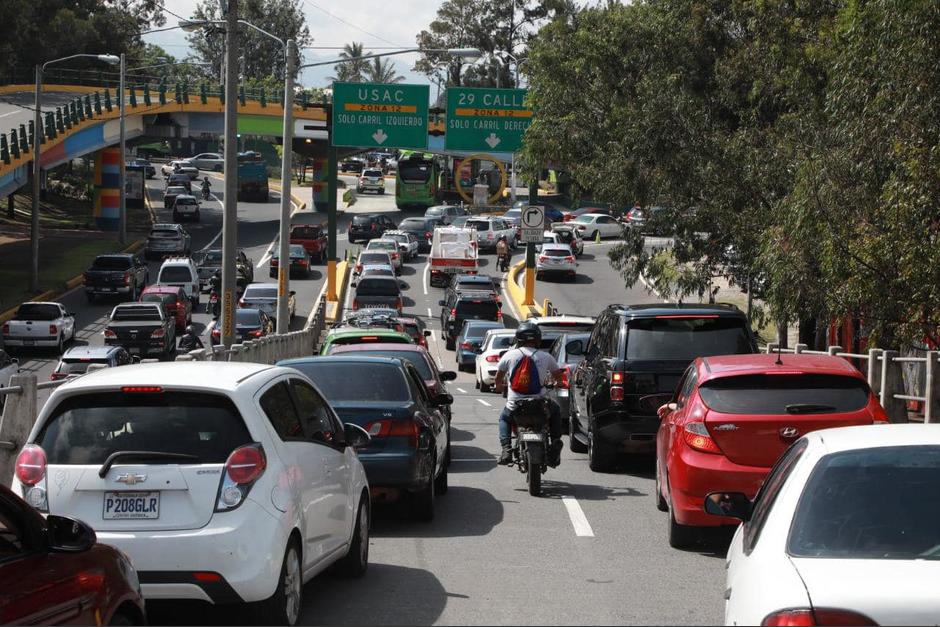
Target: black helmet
(528, 332)
(189, 330)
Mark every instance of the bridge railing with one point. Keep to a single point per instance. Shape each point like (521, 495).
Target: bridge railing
(907, 385)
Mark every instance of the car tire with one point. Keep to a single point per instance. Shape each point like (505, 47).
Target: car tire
(60, 346)
(422, 501)
(356, 561)
(283, 607)
(90, 297)
(661, 503)
(440, 483)
(450, 344)
(600, 457)
(681, 536)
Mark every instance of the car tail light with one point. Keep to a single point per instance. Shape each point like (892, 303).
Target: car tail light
(59, 375)
(499, 314)
(256, 333)
(53, 329)
(127, 278)
(564, 381)
(358, 267)
(241, 302)
(302, 262)
(616, 393)
(569, 259)
(820, 616)
(428, 235)
(207, 577)
(158, 333)
(395, 429)
(542, 258)
(453, 312)
(179, 305)
(274, 263)
(492, 359)
(399, 305)
(109, 334)
(31, 465)
(394, 255)
(243, 467)
(142, 389)
(216, 333)
(355, 304)
(696, 435)
(466, 346)
(6, 329)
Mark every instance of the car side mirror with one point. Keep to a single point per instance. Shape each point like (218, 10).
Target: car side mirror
(353, 284)
(356, 436)
(666, 409)
(729, 504)
(440, 303)
(68, 535)
(448, 375)
(443, 399)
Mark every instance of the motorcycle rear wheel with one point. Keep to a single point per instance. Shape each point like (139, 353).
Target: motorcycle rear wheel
(534, 478)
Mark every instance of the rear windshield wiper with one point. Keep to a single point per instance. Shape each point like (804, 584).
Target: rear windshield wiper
(143, 455)
(808, 408)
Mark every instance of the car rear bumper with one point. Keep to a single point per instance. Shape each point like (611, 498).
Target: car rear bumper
(31, 341)
(96, 289)
(139, 347)
(466, 358)
(401, 470)
(629, 433)
(244, 547)
(692, 475)
(371, 186)
(488, 373)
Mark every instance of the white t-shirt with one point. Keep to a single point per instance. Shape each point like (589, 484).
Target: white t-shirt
(544, 363)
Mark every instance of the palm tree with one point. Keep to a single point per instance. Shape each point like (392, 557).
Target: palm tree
(353, 68)
(382, 71)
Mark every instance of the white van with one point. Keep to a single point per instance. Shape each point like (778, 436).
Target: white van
(180, 272)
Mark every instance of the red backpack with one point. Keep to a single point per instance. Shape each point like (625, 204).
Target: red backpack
(524, 378)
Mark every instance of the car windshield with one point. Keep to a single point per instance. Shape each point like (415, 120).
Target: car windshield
(357, 381)
(362, 220)
(86, 429)
(212, 258)
(477, 309)
(164, 234)
(175, 274)
(476, 331)
(378, 286)
(871, 503)
(37, 311)
(247, 317)
(684, 339)
(261, 292)
(785, 394)
(111, 263)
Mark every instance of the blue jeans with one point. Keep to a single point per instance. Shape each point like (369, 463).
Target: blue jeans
(554, 423)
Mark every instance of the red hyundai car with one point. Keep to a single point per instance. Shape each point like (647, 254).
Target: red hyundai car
(174, 302)
(53, 572)
(733, 416)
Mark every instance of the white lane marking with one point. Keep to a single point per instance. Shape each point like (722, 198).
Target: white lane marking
(579, 521)
(482, 402)
(461, 390)
(430, 314)
(433, 336)
(424, 275)
(3, 115)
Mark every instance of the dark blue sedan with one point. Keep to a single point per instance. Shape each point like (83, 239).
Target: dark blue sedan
(388, 398)
(470, 342)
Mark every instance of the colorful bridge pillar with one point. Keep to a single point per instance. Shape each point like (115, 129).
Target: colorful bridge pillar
(107, 209)
(320, 187)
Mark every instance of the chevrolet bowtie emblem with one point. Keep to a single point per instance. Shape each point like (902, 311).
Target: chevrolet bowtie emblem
(130, 479)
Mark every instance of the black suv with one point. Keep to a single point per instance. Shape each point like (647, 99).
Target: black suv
(473, 283)
(464, 305)
(423, 229)
(368, 226)
(632, 364)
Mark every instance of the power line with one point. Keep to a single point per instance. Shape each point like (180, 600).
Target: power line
(163, 6)
(339, 19)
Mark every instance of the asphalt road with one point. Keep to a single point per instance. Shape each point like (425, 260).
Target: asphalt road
(592, 550)
(17, 108)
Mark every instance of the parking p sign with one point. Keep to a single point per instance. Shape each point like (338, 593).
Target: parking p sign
(532, 223)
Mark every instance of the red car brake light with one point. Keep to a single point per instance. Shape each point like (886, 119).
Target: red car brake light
(798, 617)
(53, 329)
(246, 464)
(142, 389)
(492, 359)
(31, 465)
(564, 382)
(466, 346)
(395, 429)
(697, 437)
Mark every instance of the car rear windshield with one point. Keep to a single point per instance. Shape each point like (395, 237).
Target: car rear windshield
(141, 312)
(420, 363)
(413, 223)
(377, 173)
(186, 201)
(434, 212)
(163, 234)
(354, 381)
(684, 339)
(261, 292)
(478, 330)
(567, 327)
(377, 287)
(367, 258)
(785, 394)
(477, 308)
(111, 263)
(159, 297)
(213, 257)
(556, 252)
(414, 171)
(365, 338)
(362, 220)
(305, 232)
(502, 341)
(175, 274)
(86, 429)
(871, 503)
(37, 311)
(479, 225)
(78, 367)
(175, 191)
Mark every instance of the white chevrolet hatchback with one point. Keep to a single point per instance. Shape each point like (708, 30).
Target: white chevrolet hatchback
(224, 482)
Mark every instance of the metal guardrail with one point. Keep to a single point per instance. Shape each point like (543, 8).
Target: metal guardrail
(892, 378)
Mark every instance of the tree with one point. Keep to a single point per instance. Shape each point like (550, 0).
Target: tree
(262, 55)
(353, 69)
(382, 71)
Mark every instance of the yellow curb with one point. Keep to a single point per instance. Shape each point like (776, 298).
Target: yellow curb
(517, 293)
(334, 309)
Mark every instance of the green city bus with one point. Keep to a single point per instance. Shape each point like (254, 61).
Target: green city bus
(417, 180)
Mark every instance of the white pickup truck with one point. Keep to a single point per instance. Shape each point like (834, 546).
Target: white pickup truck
(454, 250)
(39, 325)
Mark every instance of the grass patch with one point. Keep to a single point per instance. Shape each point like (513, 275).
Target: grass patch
(60, 259)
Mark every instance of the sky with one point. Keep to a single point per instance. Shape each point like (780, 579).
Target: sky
(375, 23)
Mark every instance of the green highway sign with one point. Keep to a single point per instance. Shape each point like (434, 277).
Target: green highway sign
(376, 115)
(486, 120)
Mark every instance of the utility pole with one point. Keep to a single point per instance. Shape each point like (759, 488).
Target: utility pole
(122, 216)
(37, 175)
(230, 215)
(331, 221)
(530, 248)
(283, 269)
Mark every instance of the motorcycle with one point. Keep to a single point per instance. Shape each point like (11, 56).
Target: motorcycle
(502, 262)
(531, 441)
(205, 193)
(213, 306)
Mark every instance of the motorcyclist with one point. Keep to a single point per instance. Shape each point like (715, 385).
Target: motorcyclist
(528, 340)
(205, 187)
(502, 253)
(190, 340)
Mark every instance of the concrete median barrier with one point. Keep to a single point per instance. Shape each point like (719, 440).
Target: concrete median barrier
(516, 294)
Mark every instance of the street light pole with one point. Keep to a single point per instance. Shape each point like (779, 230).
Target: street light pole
(122, 217)
(283, 270)
(230, 215)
